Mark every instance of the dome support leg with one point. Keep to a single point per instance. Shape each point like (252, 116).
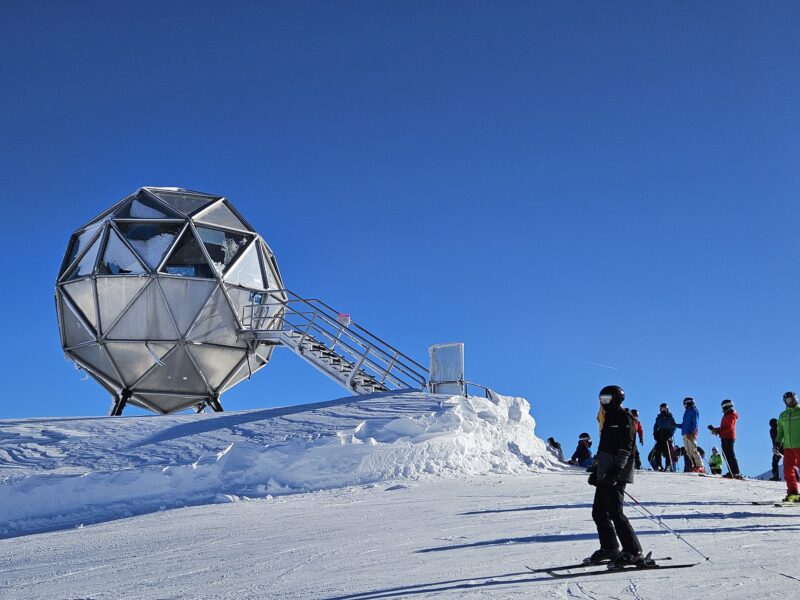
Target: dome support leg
(213, 403)
(119, 403)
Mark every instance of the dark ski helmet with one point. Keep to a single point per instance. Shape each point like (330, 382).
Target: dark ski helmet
(663, 406)
(634, 412)
(727, 405)
(584, 437)
(790, 399)
(773, 422)
(612, 394)
(688, 401)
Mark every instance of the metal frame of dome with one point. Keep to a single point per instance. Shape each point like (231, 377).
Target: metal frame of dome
(151, 293)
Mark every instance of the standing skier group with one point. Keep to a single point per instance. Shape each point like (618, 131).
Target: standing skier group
(612, 468)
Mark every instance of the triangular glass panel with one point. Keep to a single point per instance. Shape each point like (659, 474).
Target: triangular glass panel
(118, 259)
(75, 332)
(185, 298)
(273, 275)
(150, 239)
(133, 359)
(85, 265)
(166, 403)
(184, 202)
(178, 374)
(187, 259)
(221, 215)
(114, 294)
(224, 247)
(95, 359)
(148, 318)
(247, 270)
(216, 323)
(214, 362)
(81, 292)
(79, 243)
(144, 206)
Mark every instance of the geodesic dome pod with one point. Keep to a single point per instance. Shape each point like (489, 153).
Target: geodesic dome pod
(152, 295)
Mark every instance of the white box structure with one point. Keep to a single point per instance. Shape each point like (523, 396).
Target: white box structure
(447, 368)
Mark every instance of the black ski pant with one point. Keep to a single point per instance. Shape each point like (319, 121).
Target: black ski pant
(730, 456)
(637, 459)
(662, 448)
(611, 522)
(775, 460)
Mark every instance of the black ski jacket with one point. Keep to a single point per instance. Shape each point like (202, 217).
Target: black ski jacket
(617, 441)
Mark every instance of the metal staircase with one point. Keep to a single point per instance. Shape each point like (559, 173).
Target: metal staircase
(350, 355)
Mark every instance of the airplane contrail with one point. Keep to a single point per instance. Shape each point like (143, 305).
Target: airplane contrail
(594, 364)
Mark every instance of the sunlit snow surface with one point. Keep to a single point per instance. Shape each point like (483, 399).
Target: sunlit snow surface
(64, 472)
(417, 497)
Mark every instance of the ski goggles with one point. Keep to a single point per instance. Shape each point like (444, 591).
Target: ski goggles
(790, 398)
(606, 399)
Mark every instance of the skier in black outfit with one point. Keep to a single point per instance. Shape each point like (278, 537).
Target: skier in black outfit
(777, 449)
(614, 470)
(663, 430)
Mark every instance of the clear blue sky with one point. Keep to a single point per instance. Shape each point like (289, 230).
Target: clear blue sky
(555, 184)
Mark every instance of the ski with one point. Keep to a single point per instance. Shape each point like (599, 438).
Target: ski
(625, 569)
(579, 565)
(773, 503)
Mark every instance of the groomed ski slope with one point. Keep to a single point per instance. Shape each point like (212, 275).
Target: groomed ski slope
(453, 500)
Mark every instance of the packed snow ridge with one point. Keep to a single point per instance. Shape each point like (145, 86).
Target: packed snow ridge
(57, 473)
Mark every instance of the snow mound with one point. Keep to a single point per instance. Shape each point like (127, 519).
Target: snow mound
(58, 473)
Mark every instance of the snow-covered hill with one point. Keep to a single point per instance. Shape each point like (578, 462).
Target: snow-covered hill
(356, 499)
(64, 472)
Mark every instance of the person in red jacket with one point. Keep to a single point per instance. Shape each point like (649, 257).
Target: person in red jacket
(637, 426)
(727, 433)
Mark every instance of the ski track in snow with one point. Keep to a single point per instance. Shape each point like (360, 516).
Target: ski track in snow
(411, 496)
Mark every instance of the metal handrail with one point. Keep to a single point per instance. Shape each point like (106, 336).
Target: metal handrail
(366, 349)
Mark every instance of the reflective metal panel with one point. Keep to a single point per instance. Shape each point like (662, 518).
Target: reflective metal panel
(176, 375)
(247, 270)
(94, 357)
(133, 358)
(167, 403)
(214, 362)
(114, 294)
(150, 240)
(244, 372)
(221, 215)
(188, 259)
(118, 259)
(223, 247)
(147, 319)
(185, 298)
(81, 292)
(216, 323)
(75, 332)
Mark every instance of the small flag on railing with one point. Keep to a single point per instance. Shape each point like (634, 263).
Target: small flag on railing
(344, 319)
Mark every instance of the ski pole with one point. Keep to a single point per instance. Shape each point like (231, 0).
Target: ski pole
(658, 522)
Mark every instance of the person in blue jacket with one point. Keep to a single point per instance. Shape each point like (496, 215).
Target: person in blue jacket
(582, 455)
(691, 416)
(663, 430)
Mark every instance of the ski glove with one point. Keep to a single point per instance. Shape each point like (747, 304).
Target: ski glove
(611, 478)
(593, 478)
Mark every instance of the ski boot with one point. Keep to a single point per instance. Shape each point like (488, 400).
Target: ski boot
(792, 497)
(627, 559)
(602, 556)
(739, 476)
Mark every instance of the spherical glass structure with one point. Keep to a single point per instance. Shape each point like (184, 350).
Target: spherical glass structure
(153, 294)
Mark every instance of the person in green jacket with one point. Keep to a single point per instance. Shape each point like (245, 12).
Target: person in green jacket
(789, 436)
(715, 462)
